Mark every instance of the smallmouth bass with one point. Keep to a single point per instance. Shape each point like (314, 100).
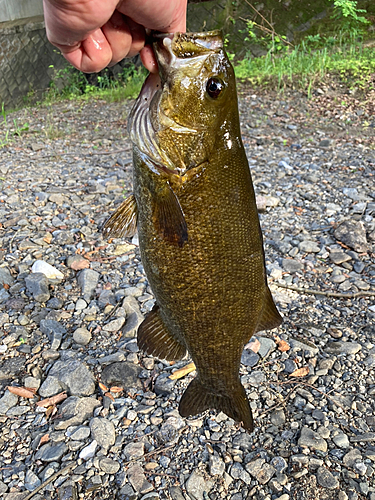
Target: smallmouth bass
(198, 226)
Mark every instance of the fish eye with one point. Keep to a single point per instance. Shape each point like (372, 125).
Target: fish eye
(214, 87)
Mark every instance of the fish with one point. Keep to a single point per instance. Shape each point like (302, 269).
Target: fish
(194, 207)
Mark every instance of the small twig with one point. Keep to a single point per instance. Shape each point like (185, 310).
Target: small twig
(278, 404)
(50, 479)
(337, 295)
(112, 311)
(260, 15)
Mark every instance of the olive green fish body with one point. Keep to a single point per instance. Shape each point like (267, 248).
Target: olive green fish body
(198, 226)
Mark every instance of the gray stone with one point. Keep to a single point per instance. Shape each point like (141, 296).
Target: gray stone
(308, 246)
(80, 434)
(292, 266)
(256, 378)
(88, 280)
(326, 479)
(74, 411)
(55, 303)
(312, 440)
(51, 452)
(50, 387)
(74, 377)
(243, 440)
(278, 417)
(103, 431)
(216, 465)
(109, 466)
(54, 330)
(370, 361)
(164, 385)
(127, 493)
(365, 437)
(114, 325)
(8, 401)
(279, 463)
(134, 450)
(105, 298)
(151, 496)
(300, 346)
(340, 347)
(341, 440)
(134, 317)
(82, 336)
(88, 451)
(176, 493)
(249, 358)
(353, 234)
(260, 470)
(37, 285)
(238, 472)
(123, 374)
(266, 346)
(5, 277)
(138, 479)
(196, 485)
(31, 480)
(338, 257)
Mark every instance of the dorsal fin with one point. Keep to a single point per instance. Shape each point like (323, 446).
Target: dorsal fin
(154, 339)
(270, 316)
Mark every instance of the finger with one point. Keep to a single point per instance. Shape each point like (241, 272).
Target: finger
(148, 59)
(125, 37)
(92, 55)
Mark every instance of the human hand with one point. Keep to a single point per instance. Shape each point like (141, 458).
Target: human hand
(93, 34)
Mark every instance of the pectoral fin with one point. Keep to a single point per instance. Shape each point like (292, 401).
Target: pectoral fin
(168, 216)
(154, 339)
(270, 316)
(235, 404)
(123, 222)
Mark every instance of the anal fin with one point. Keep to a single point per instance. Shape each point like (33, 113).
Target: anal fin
(123, 222)
(154, 339)
(270, 316)
(168, 216)
(235, 404)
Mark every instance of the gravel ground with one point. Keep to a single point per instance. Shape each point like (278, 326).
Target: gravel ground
(114, 431)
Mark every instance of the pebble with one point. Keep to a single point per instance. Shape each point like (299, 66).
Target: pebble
(8, 401)
(292, 266)
(40, 266)
(109, 466)
(5, 277)
(51, 452)
(312, 439)
(326, 479)
(74, 411)
(103, 432)
(123, 374)
(82, 336)
(88, 280)
(31, 481)
(70, 375)
(88, 451)
(261, 470)
(341, 347)
(197, 485)
(134, 317)
(134, 450)
(114, 325)
(37, 285)
(352, 234)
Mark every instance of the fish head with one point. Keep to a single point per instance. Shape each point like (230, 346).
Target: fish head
(189, 104)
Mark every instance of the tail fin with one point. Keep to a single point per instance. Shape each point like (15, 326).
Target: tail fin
(196, 399)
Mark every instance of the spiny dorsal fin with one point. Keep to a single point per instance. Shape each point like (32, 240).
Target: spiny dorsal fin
(168, 216)
(270, 316)
(123, 222)
(154, 339)
(235, 404)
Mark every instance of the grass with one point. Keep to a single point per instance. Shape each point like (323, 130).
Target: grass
(306, 66)
(68, 83)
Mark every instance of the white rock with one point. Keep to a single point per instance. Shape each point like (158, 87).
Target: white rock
(40, 266)
(88, 451)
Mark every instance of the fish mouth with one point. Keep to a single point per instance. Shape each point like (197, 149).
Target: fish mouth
(173, 51)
